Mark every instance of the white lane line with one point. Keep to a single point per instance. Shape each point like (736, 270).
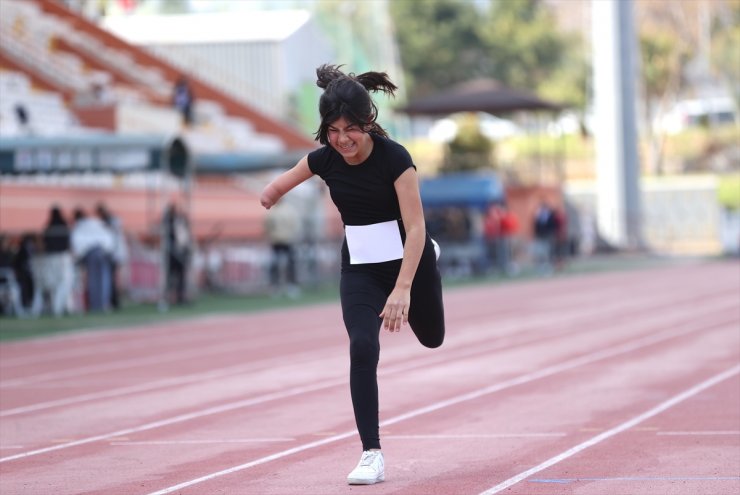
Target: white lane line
(473, 436)
(638, 479)
(206, 442)
(194, 378)
(181, 418)
(698, 433)
(153, 337)
(150, 386)
(257, 462)
(198, 353)
(660, 408)
(136, 362)
(528, 377)
(457, 352)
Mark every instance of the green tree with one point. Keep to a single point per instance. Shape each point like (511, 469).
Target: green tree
(470, 149)
(522, 42)
(726, 49)
(570, 82)
(164, 6)
(663, 58)
(443, 42)
(438, 42)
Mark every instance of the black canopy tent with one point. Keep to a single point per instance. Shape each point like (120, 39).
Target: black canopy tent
(478, 95)
(482, 95)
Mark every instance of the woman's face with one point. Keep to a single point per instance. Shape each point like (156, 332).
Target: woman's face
(350, 141)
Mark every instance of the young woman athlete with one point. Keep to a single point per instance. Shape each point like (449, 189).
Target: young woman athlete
(389, 274)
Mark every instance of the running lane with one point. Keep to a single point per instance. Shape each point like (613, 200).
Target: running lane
(607, 383)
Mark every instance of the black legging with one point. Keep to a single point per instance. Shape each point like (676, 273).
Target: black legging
(364, 290)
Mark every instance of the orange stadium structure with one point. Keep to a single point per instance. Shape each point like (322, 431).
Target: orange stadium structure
(137, 85)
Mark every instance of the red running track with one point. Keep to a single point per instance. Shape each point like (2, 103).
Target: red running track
(616, 383)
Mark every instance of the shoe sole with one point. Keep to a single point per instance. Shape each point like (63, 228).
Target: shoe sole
(358, 481)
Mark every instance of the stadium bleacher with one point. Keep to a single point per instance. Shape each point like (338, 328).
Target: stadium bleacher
(17, 92)
(73, 78)
(75, 59)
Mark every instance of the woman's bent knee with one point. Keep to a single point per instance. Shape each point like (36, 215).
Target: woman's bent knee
(431, 338)
(433, 344)
(364, 351)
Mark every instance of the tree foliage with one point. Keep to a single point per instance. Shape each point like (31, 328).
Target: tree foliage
(726, 48)
(522, 43)
(443, 42)
(438, 41)
(470, 149)
(674, 38)
(570, 82)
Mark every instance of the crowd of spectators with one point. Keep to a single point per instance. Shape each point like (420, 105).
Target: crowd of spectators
(70, 266)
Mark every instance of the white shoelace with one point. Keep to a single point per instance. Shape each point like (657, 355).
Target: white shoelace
(368, 458)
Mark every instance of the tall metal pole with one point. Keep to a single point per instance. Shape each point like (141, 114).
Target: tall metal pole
(617, 164)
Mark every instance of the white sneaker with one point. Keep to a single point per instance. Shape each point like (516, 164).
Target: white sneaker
(370, 470)
(437, 250)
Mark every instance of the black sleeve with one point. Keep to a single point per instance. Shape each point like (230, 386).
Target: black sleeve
(398, 161)
(318, 161)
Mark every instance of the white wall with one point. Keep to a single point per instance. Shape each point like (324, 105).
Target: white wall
(679, 214)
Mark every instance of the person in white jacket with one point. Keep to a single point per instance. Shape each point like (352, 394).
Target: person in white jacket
(119, 253)
(92, 248)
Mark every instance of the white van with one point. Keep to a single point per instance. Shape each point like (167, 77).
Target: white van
(695, 113)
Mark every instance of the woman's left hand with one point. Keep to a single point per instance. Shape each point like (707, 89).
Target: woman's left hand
(396, 310)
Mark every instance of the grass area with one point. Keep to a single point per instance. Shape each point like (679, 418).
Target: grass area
(728, 191)
(140, 314)
(132, 315)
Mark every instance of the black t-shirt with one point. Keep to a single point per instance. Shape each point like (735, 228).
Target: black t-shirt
(364, 194)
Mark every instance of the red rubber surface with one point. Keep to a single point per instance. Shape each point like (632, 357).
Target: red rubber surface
(619, 383)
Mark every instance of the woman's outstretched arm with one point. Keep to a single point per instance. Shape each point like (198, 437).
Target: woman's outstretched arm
(396, 310)
(286, 181)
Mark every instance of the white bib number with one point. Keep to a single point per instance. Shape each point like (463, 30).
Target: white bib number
(374, 243)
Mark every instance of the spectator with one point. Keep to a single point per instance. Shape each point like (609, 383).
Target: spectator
(23, 271)
(183, 99)
(178, 250)
(92, 246)
(23, 118)
(283, 231)
(509, 228)
(10, 293)
(545, 232)
(493, 236)
(119, 253)
(59, 270)
(561, 246)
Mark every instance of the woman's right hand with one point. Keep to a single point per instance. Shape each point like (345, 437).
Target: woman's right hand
(267, 199)
(286, 181)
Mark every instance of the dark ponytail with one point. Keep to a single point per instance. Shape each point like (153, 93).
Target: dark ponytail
(347, 95)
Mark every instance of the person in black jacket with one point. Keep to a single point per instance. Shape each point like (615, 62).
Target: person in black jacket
(178, 249)
(545, 227)
(59, 268)
(27, 250)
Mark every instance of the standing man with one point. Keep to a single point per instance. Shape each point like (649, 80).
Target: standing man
(119, 253)
(545, 236)
(178, 249)
(283, 231)
(183, 99)
(92, 246)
